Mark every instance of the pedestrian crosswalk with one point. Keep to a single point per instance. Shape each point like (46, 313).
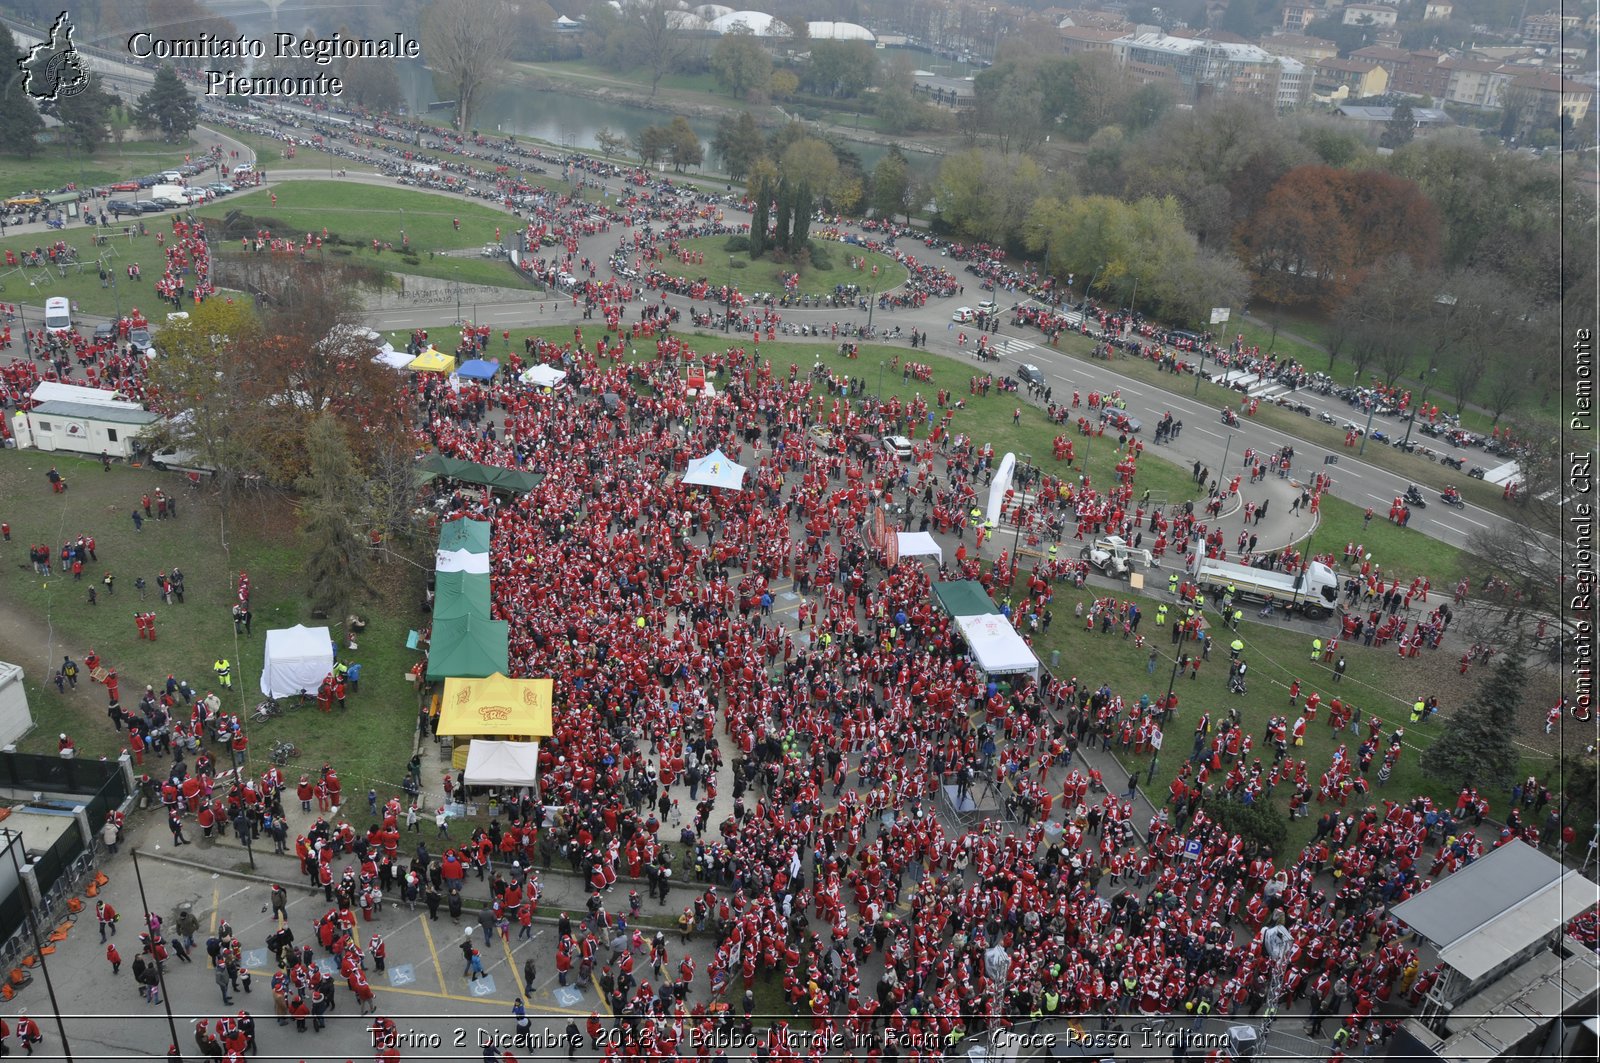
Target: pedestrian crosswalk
(1015, 346)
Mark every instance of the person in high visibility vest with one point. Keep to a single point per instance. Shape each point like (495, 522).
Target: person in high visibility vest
(1316, 649)
(224, 672)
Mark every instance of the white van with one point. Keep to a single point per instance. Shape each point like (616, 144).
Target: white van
(57, 314)
(172, 177)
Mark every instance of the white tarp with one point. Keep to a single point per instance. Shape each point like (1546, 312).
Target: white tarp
(461, 561)
(491, 763)
(544, 376)
(297, 658)
(996, 646)
(999, 486)
(920, 544)
(392, 358)
(716, 469)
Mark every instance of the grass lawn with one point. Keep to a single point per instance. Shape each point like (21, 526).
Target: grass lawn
(349, 213)
(764, 275)
(1316, 359)
(54, 166)
(81, 282)
(369, 742)
(1403, 552)
(1329, 438)
(1376, 681)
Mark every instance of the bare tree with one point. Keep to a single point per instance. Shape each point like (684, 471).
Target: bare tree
(655, 40)
(465, 41)
(1525, 584)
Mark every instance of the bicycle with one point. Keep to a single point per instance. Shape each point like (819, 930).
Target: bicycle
(282, 752)
(267, 710)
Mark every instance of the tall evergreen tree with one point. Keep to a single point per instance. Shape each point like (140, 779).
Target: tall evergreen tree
(785, 215)
(20, 123)
(759, 219)
(1475, 749)
(86, 115)
(168, 106)
(800, 233)
(336, 557)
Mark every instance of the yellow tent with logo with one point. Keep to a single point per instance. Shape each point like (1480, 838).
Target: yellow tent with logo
(496, 705)
(433, 361)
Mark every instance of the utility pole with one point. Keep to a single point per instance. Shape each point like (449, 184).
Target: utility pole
(1411, 422)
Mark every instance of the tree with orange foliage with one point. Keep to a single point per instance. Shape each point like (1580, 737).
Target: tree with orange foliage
(1322, 229)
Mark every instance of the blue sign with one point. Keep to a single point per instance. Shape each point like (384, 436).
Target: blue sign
(1192, 849)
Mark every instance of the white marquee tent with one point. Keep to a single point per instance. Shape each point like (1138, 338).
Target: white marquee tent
(491, 763)
(996, 646)
(920, 544)
(716, 469)
(297, 659)
(544, 376)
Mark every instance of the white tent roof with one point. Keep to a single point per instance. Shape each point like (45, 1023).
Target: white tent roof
(392, 358)
(297, 658)
(839, 31)
(544, 376)
(716, 469)
(996, 646)
(461, 561)
(51, 391)
(757, 22)
(920, 544)
(492, 763)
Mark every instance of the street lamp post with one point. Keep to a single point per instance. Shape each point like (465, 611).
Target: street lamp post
(161, 975)
(882, 364)
(1426, 387)
(457, 271)
(727, 299)
(1366, 433)
(872, 301)
(32, 919)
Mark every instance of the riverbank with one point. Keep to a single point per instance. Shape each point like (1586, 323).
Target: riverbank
(564, 79)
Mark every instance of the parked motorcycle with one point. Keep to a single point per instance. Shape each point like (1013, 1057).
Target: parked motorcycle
(1454, 463)
(1477, 472)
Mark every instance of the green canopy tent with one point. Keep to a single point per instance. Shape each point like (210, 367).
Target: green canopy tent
(463, 534)
(501, 479)
(459, 594)
(964, 597)
(468, 647)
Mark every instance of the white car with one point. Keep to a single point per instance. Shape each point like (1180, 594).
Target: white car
(963, 314)
(988, 306)
(899, 446)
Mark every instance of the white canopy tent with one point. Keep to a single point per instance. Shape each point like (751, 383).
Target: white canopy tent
(544, 376)
(491, 763)
(392, 358)
(920, 544)
(461, 561)
(297, 659)
(716, 469)
(996, 646)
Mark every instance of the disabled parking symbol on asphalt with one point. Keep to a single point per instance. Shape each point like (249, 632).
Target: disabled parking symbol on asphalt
(483, 987)
(402, 974)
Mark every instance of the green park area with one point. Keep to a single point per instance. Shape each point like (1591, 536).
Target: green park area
(837, 264)
(58, 166)
(50, 616)
(416, 231)
(114, 248)
(1376, 680)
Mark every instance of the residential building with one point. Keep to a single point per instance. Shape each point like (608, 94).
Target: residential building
(1196, 68)
(1080, 40)
(1438, 11)
(1414, 73)
(1309, 50)
(1358, 79)
(1476, 84)
(1554, 95)
(1548, 27)
(1373, 121)
(1297, 16)
(1294, 84)
(1370, 15)
(1100, 20)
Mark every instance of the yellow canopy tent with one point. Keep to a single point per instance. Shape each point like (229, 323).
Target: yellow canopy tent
(496, 705)
(433, 361)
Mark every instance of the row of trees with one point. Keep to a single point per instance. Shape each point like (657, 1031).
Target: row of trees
(792, 232)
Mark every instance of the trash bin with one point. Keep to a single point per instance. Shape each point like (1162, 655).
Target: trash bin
(1055, 659)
